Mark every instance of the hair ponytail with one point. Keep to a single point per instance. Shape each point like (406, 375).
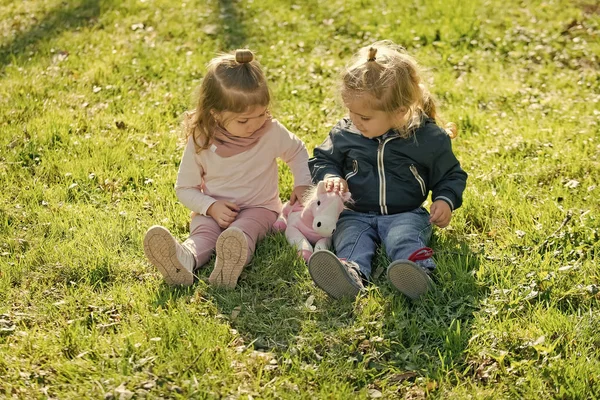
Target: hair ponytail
(243, 56)
(451, 129)
(372, 54)
(430, 109)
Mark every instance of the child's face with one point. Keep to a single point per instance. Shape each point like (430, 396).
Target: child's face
(243, 124)
(370, 122)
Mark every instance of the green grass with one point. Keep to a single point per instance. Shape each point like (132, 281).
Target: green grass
(91, 92)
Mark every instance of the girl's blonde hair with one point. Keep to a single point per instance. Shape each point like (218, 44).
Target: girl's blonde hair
(392, 78)
(233, 83)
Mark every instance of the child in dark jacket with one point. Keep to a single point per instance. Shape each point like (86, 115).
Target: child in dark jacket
(390, 153)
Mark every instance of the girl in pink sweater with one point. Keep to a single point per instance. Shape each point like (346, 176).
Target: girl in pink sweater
(228, 175)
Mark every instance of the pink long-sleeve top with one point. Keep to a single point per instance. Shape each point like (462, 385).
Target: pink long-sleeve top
(248, 179)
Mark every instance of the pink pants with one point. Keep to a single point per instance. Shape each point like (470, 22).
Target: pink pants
(204, 231)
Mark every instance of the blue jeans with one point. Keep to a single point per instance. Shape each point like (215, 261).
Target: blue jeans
(357, 236)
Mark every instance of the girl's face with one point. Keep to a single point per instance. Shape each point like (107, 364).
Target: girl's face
(243, 124)
(370, 122)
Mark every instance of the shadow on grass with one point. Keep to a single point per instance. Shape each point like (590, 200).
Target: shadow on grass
(266, 307)
(381, 335)
(431, 335)
(169, 294)
(233, 29)
(62, 18)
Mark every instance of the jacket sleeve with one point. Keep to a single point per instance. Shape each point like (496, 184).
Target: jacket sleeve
(188, 186)
(293, 152)
(448, 180)
(327, 158)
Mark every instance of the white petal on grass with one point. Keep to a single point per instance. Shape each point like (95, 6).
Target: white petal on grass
(572, 184)
(565, 268)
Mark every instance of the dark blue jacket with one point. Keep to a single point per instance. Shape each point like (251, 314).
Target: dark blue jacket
(390, 174)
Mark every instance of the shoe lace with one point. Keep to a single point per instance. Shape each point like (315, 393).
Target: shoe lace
(352, 269)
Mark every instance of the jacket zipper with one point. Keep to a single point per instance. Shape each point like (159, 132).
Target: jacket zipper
(381, 170)
(414, 171)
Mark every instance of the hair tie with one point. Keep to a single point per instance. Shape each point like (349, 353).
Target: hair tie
(372, 54)
(243, 56)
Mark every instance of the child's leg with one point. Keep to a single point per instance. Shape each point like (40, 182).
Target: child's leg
(204, 232)
(235, 246)
(255, 223)
(404, 233)
(175, 262)
(355, 239)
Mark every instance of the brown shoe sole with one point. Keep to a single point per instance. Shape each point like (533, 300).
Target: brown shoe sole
(159, 247)
(232, 253)
(328, 273)
(409, 278)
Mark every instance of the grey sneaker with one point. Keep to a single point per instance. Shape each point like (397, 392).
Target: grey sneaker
(409, 278)
(232, 254)
(175, 262)
(336, 277)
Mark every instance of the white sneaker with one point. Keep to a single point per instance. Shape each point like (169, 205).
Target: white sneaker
(232, 253)
(175, 262)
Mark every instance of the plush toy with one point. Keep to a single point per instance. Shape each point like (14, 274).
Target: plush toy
(313, 223)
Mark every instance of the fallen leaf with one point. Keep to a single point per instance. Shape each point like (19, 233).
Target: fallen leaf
(398, 378)
(211, 29)
(236, 311)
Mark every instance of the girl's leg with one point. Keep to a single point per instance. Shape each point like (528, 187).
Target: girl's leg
(204, 232)
(255, 223)
(355, 239)
(175, 262)
(236, 245)
(402, 234)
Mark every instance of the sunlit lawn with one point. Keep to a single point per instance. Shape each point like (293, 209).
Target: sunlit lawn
(91, 94)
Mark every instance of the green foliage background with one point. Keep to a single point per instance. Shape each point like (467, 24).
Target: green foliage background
(91, 92)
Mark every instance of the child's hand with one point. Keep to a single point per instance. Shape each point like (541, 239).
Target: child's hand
(336, 184)
(223, 212)
(298, 194)
(440, 213)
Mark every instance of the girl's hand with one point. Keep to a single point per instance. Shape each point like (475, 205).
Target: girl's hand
(298, 194)
(336, 184)
(223, 212)
(440, 213)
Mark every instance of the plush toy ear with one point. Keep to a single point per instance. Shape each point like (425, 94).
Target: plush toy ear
(321, 187)
(346, 196)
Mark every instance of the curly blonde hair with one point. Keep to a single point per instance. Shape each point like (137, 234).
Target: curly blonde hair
(392, 78)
